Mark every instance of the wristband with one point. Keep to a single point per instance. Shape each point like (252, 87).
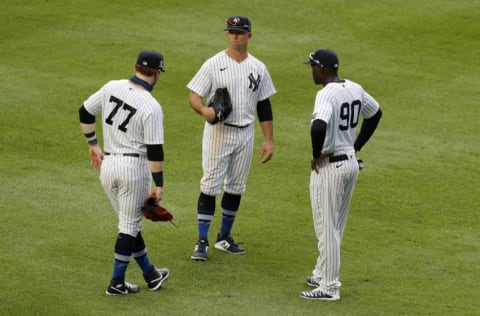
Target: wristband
(158, 178)
(91, 138)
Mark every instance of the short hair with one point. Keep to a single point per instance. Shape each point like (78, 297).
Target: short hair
(147, 71)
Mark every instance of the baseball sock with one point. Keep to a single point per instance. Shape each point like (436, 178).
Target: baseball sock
(140, 255)
(230, 205)
(123, 253)
(206, 210)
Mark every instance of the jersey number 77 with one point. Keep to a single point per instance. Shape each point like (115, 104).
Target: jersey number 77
(126, 107)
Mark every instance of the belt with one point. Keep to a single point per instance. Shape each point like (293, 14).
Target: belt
(126, 155)
(237, 126)
(337, 158)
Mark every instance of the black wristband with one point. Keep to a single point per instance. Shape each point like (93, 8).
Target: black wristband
(158, 178)
(91, 138)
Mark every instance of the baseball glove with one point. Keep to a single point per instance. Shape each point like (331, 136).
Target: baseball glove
(154, 212)
(221, 104)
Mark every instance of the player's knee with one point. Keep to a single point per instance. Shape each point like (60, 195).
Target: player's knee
(139, 243)
(231, 201)
(125, 243)
(206, 202)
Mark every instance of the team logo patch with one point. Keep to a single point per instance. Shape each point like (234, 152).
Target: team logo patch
(254, 83)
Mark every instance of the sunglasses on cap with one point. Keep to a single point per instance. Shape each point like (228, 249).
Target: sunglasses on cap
(237, 22)
(316, 61)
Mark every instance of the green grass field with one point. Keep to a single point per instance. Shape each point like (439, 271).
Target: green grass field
(411, 245)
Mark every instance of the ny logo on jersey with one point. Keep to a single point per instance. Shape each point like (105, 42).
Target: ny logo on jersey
(254, 82)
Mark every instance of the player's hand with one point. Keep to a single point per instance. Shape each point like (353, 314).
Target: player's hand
(209, 114)
(267, 151)
(361, 164)
(96, 156)
(314, 164)
(157, 192)
(197, 104)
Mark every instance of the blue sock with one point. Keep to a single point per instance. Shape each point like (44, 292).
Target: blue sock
(230, 205)
(203, 228)
(123, 254)
(119, 270)
(206, 210)
(228, 218)
(140, 255)
(143, 261)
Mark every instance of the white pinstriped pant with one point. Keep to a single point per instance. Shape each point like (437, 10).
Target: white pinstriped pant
(226, 155)
(330, 193)
(127, 182)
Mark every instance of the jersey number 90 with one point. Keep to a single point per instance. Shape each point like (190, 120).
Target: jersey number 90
(349, 115)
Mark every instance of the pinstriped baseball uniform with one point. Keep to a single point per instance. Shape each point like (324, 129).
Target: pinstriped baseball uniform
(131, 119)
(247, 82)
(340, 104)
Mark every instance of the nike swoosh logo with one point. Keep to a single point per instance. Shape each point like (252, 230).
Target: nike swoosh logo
(222, 69)
(338, 166)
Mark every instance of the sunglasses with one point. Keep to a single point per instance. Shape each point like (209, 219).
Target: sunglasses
(316, 61)
(237, 22)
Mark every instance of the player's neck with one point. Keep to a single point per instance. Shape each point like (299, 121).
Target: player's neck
(333, 78)
(142, 81)
(238, 55)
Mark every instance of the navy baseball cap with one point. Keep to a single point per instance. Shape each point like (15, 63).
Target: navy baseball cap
(151, 59)
(239, 23)
(323, 57)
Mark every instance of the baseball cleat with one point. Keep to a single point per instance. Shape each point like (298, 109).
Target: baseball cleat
(121, 288)
(156, 277)
(200, 251)
(312, 281)
(318, 294)
(227, 244)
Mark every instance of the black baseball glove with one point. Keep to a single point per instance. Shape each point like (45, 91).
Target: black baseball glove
(154, 212)
(221, 104)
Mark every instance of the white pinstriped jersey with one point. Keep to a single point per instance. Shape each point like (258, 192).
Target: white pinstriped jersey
(131, 118)
(247, 82)
(340, 104)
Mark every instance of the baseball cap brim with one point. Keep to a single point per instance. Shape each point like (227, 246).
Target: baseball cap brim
(240, 29)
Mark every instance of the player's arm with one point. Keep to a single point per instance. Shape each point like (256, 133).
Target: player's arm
(88, 126)
(155, 158)
(368, 127)
(318, 131)
(265, 116)
(196, 102)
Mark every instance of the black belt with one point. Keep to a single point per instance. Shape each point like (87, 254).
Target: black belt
(337, 158)
(237, 126)
(126, 155)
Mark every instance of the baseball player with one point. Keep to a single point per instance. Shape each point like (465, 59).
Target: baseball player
(228, 145)
(337, 110)
(132, 123)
